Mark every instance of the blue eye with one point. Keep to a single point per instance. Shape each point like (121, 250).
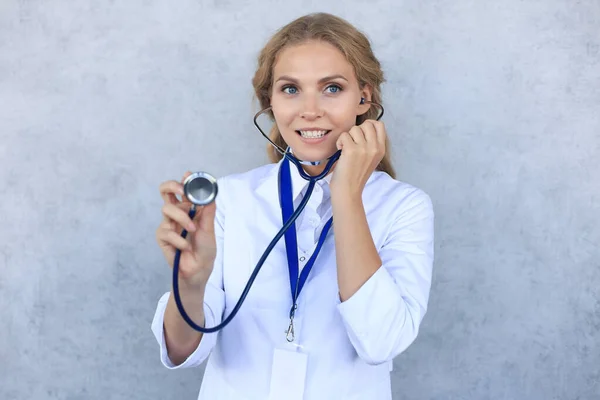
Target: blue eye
(289, 90)
(336, 87)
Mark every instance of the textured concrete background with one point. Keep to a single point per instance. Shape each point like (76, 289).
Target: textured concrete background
(493, 109)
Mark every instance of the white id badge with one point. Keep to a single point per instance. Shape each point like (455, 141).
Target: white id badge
(288, 375)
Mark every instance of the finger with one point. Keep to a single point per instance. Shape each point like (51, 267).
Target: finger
(172, 238)
(357, 135)
(167, 221)
(187, 173)
(344, 141)
(170, 198)
(370, 131)
(184, 198)
(168, 191)
(381, 133)
(372, 136)
(170, 224)
(177, 214)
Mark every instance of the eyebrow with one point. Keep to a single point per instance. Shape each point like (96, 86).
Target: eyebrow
(322, 80)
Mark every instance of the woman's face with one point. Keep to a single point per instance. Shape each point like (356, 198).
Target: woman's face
(315, 97)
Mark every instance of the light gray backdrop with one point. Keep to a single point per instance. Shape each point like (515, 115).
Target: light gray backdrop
(493, 108)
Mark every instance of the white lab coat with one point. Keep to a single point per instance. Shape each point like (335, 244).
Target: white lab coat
(350, 345)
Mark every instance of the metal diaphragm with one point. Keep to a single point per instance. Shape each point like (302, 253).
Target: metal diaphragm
(200, 188)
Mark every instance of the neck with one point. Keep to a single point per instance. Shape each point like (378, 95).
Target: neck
(314, 170)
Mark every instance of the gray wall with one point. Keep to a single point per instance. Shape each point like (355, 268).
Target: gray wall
(492, 107)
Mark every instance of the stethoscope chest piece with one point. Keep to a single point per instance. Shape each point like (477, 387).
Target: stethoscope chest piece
(200, 188)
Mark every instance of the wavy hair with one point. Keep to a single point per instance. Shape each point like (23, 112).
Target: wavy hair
(353, 44)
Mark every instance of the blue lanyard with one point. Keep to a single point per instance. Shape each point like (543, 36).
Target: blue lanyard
(291, 242)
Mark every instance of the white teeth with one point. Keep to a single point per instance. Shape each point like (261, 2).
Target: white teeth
(312, 134)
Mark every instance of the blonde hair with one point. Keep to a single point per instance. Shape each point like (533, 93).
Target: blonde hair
(352, 43)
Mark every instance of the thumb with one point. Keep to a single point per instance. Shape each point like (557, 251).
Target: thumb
(207, 219)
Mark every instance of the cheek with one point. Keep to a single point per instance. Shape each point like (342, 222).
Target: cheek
(284, 114)
(283, 119)
(343, 120)
(342, 113)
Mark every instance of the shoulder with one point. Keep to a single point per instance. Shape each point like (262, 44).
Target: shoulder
(244, 183)
(398, 197)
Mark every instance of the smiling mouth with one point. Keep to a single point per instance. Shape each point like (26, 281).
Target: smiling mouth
(316, 134)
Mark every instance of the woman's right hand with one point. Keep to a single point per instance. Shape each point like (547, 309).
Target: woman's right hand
(199, 249)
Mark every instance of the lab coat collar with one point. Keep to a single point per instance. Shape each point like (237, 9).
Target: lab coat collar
(268, 186)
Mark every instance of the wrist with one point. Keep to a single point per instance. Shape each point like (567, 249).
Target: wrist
(194, 285)
(346, 196)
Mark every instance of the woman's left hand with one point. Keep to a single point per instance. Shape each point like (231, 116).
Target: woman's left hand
(363, 148)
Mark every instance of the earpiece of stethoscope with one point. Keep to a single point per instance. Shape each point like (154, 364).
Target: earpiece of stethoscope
(200, 188)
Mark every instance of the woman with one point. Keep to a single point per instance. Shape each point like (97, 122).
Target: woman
(364, 296)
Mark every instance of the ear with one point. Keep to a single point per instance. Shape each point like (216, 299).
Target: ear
(365, 94)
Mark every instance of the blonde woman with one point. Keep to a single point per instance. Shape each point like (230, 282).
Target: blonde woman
(333, 330)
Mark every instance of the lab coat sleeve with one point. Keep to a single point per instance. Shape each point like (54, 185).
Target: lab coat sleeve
(383, 317)
(214, 303)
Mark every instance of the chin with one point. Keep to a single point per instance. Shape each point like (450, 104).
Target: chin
(305, 154)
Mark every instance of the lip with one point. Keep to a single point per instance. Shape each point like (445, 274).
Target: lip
(312, 128)
(313, 141)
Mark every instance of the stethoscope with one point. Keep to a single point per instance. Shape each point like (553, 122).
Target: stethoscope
(201, 189)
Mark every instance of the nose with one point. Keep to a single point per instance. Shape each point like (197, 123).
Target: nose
(311, 108)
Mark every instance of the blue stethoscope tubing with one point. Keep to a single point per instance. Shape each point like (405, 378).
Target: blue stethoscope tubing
(311, 184)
